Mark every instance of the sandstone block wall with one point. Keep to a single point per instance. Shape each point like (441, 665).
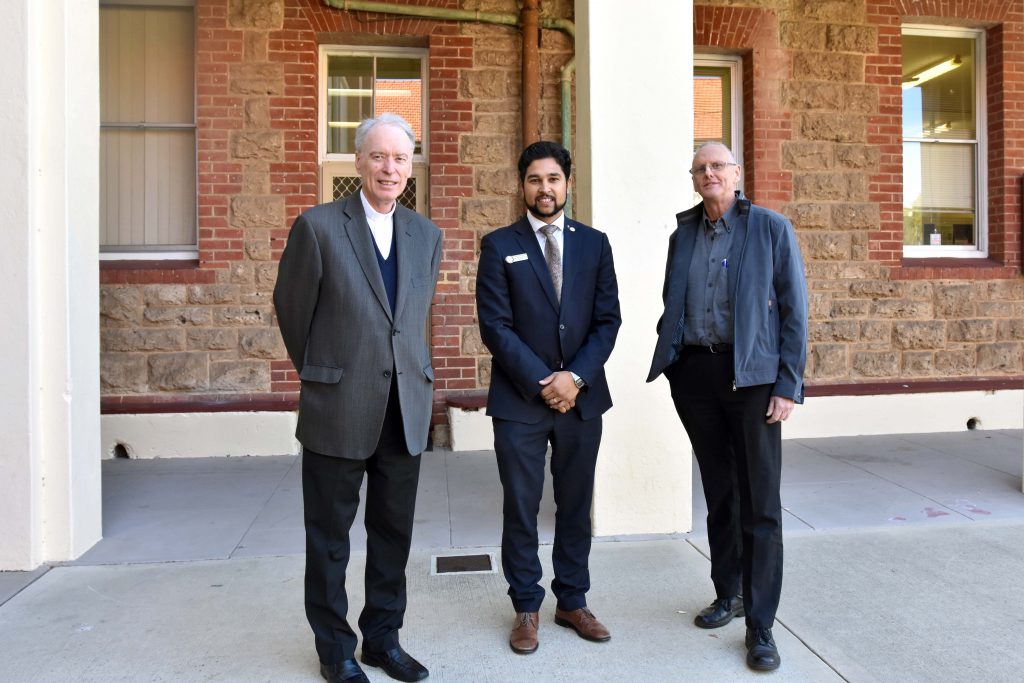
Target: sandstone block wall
(821, 141)
(194, 334)
(831, 71)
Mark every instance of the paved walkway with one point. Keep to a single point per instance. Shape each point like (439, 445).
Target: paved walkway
(903, 557)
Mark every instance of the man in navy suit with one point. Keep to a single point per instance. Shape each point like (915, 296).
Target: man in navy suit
(548, 306)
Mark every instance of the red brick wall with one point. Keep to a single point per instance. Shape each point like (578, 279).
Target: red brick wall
(258, 166)
(753, 33)
(450, 53)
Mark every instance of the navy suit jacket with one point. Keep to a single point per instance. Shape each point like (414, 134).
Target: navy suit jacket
(529, 334)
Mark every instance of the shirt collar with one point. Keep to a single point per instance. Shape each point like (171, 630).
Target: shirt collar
(537, 223)
(727, 220)
(372, 214)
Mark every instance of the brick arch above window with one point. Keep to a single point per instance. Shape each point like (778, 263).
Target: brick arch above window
(324, 18)
(969, 9)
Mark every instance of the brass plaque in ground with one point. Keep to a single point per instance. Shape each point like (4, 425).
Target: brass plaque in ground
(463, 563)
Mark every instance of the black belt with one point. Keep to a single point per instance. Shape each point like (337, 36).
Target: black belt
(707, 348)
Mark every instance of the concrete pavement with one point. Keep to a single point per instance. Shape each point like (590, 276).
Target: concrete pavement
(903, 557)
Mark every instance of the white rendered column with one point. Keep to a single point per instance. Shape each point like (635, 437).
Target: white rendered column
(50, 502)
(634, 114)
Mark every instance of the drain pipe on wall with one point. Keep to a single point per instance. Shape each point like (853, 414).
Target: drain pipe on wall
(531, 70)
(531, 80)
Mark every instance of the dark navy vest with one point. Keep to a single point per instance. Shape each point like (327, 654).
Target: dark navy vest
(388, 269)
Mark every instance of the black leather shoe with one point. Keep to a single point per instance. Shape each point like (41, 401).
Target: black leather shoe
(720, 612)
(346, 671)
(396, 663)
(762, 655)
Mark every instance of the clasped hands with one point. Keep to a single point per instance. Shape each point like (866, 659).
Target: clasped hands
(559, 391)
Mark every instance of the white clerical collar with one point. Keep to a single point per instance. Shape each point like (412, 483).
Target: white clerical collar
(537, 223)
(372, 214)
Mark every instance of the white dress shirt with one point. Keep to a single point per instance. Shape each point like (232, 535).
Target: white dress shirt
(382, 226)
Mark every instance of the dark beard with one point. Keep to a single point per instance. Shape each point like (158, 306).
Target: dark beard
(539, 214)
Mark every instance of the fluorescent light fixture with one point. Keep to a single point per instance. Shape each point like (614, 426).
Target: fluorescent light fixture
(931, 72)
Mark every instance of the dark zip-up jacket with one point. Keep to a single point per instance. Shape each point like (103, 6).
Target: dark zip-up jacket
(768, 293)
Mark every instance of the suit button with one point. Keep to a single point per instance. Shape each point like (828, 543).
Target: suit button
(394, 333)
(387, 373)
(561, 327)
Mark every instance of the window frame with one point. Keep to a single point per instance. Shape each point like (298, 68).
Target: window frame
(327, 51)
(150, 252)
(979, 250)
(735, 65)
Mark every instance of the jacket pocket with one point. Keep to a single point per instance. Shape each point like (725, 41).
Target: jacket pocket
(321, 373)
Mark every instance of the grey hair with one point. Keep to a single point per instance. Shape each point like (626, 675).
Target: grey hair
(713, 143)
(383, 120)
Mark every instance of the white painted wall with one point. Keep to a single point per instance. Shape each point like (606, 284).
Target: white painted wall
(16, 513)
(839, 416)
(634, 114)
(50, 494)
(905, 414)
(76, 104)
(200, 435)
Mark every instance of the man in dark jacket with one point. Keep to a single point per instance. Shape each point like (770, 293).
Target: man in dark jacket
(549, 313)
(732, 343)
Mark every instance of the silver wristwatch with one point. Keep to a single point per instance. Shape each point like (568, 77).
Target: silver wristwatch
(578, 380)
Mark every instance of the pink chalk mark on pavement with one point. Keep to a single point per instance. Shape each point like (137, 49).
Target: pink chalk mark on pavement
(971, 507)
(932, 512)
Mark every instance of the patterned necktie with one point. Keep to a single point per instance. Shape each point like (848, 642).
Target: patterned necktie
(553, 257)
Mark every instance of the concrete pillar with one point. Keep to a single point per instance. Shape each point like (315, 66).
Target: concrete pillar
(634, 117)
(49, 206)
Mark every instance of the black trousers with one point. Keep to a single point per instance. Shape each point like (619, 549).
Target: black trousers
(330, 493)
(740, 460)
(521, 450)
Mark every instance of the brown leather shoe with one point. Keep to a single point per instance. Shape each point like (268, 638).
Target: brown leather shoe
(584, 622)
(524, 633)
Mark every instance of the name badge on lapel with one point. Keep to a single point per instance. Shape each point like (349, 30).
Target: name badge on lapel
(516, 258)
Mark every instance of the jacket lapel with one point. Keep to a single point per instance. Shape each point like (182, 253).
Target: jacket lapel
(572, 254)
(528, 242)
(684, 253)
(358, 231)
(405, 244)
(681, 257)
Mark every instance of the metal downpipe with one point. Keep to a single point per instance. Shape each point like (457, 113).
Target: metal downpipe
(531, 71)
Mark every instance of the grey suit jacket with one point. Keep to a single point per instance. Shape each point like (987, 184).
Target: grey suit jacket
(334, 316)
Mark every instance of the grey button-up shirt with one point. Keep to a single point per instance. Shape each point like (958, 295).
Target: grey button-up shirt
(708, 313)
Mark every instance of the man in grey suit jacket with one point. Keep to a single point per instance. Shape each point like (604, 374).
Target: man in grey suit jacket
(353, 294)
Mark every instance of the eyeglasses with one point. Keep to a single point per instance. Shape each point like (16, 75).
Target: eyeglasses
(717, 167)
